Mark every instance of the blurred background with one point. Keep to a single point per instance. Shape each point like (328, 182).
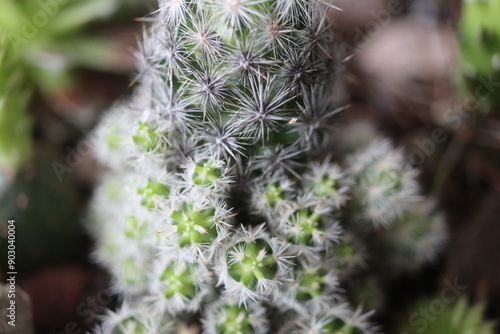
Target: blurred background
(426, 72)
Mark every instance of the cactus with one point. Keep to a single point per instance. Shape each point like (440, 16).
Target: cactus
(224, 199)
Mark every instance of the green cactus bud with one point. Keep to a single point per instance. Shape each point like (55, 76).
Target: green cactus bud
(151, 191)
(206, 174)
(227, 317)
(134, 229)
(147, 137)
(194, 226)
(274, 194)
(178, 280)
(251, 262)
(135, 318)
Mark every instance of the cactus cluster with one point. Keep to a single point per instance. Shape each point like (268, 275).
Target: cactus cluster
(227, 199)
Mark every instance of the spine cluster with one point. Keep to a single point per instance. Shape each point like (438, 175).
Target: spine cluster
(222, 200)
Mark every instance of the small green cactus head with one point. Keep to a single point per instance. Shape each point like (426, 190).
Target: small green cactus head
(227, 316)
(338, 319)
(312, 287)
(253, 264)
(384, 183)
(133, 318)
(178, 286)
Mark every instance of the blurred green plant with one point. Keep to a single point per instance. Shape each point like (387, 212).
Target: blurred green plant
(472, 126)
(15, 124)
(41, 43)
(480, 50)
(46, 213)
(458, 317)
(49, 39)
